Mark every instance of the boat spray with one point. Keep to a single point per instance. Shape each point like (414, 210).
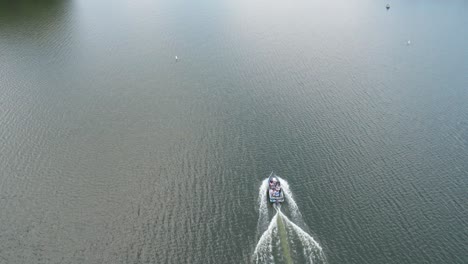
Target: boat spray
(278, 234)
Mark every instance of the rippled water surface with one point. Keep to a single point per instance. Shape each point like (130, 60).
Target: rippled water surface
(111, 151)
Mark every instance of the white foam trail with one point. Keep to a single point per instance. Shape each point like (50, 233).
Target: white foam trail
(270, 240)
(312, 249)
(264, 250)
(292, 205)
(263, 207)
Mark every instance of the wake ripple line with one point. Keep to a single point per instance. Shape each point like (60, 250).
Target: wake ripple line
(264, 250)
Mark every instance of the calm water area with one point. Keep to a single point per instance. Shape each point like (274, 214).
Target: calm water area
(112, 151)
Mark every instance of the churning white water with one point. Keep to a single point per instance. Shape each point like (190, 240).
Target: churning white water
(301, 244)
(264, 250)
(290, 202)
(311, 248)
(262, 207)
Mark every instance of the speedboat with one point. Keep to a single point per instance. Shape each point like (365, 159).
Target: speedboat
(275, 192)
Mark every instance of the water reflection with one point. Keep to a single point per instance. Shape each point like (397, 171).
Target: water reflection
(16, 12)
(111, 152)
(33, 30)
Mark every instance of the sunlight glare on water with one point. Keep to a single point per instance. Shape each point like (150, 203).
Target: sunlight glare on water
(112, 151)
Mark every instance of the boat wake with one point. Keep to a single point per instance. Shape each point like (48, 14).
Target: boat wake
(283, 239)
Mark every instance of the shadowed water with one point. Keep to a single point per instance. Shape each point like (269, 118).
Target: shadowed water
(113, 152)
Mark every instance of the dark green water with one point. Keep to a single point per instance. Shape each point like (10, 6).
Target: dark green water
(113, 152)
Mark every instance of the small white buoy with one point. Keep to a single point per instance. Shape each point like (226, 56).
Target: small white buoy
(176, 58)
(408, 43)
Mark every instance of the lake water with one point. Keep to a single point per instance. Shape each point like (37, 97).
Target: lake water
(111, 151)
